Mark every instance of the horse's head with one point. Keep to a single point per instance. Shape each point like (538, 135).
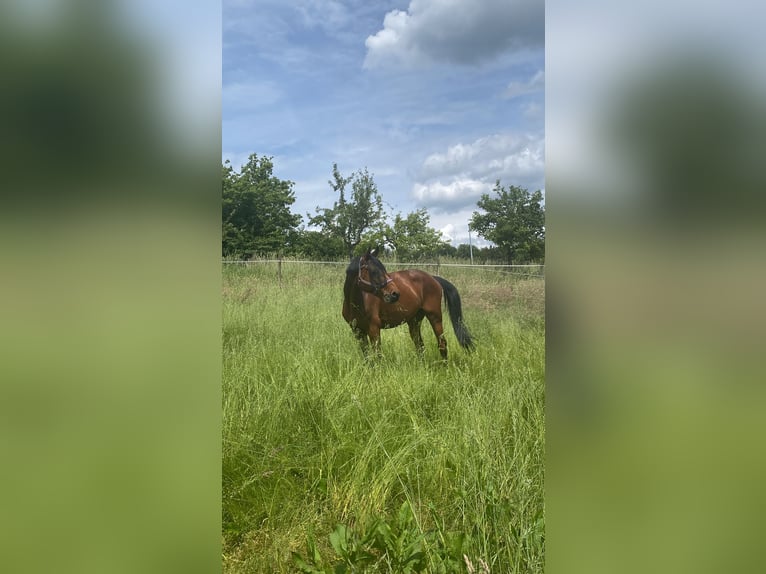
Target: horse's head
(374, 278)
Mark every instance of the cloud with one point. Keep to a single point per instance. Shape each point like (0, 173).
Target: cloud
(454, 226)
(456, 31)
(448, 232)
(498, 156)
(451, 196)
(456, 179)
(535, 84)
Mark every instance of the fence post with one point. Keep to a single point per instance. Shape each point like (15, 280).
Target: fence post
(437, 265)
(279, 270)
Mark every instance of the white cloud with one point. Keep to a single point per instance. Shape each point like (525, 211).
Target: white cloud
(456, 179)
(450, 196)
(454, 226)
(448, 232)
(456, 31)
(496, 156)
(394, 44)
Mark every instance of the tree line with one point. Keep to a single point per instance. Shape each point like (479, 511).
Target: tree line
(257, 221)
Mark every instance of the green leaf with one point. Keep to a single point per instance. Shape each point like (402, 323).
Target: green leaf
(312, 549)
(339, 540)
(455, 544)
(414, 557)
(383, 536)
(404, 517)
(304, 566)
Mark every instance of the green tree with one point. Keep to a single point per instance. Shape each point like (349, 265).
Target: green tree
(412, 237)
(464, 251)
(256, 209)
(233, 239)
(318, 246)
(514, 220)
(447, 249)
(359, 218)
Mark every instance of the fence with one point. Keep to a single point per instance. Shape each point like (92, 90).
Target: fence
(515, 272)
(490, 267)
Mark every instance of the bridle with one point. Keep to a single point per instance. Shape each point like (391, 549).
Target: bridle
(365, 285)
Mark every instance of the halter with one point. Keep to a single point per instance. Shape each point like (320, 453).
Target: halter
(370, 288)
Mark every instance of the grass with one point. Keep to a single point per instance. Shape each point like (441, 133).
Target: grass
(450, 457)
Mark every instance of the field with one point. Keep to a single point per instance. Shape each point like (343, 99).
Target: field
(333, 464)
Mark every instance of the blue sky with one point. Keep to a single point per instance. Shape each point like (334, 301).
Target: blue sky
(437, 98)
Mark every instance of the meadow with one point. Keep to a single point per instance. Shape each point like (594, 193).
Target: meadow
(335, 464)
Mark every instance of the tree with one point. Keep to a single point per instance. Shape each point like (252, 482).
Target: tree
(514, 220)
(233, 239)
(447, 249)
(256, 209)
(318, 246)
(464, 251)
(412, 237)
(354, 220)
(481, 255)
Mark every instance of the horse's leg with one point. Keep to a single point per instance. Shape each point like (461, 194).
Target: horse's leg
(374, 333)
(414, 325)
(360, 335)
(436, 323)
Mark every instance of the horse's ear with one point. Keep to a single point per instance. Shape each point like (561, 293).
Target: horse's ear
(374, 252)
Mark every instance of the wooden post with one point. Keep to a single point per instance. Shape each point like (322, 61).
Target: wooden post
(279, 270)
(470, 244)
(437, 265)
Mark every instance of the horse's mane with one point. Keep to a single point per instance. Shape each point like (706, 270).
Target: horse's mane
(353, 266)
(352, 272)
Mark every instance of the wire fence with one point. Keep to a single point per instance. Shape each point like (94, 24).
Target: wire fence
(532, 269)
(406, 263)
(514, 272)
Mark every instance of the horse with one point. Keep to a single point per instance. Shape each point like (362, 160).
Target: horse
(374, 299)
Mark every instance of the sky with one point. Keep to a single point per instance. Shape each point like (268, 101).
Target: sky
(438, 99)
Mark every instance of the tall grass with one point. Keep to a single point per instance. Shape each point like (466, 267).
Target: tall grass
(313, 436)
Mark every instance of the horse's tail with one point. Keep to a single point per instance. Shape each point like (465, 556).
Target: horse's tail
(452, 298)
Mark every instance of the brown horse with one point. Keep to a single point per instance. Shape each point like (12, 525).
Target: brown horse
(373, 300)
